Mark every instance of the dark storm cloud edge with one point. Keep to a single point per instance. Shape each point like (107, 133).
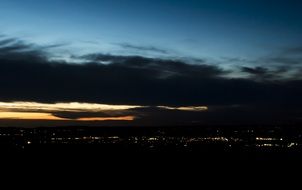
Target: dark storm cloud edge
(142, 48)
(27, 75)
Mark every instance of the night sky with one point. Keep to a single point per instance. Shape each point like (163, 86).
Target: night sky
(159, 62)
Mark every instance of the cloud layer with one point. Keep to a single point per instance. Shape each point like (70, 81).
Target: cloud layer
(27, 74)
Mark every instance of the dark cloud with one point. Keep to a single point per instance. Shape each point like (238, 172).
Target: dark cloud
(255, 71)
(284, 64)
(294, 50)
(12, 49)
(13, 46)
(222, 115)
(77, 115)
(133, 80)
(91, 114)
(8, 41)
(286, 60)
(130, 80)
(143, 48)
(52, 46)
(278, 65)
(262, 73)
(288, 56)
(157, 68)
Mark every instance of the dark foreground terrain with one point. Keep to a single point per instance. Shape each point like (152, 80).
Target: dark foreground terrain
(197, 143)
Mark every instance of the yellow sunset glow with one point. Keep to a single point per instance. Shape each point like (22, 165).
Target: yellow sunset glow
(73, 106)
(42, 111)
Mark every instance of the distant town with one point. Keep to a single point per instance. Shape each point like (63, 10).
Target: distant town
(221, 139)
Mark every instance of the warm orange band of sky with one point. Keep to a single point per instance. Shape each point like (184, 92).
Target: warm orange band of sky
(42, 111)
(48, 116)
(123, 118)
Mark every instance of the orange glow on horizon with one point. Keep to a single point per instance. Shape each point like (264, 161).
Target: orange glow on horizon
(124, 118)
(43, 111)
(29, 116)
(48, 116)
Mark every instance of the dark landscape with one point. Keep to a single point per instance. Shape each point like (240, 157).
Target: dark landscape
(206, 142)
